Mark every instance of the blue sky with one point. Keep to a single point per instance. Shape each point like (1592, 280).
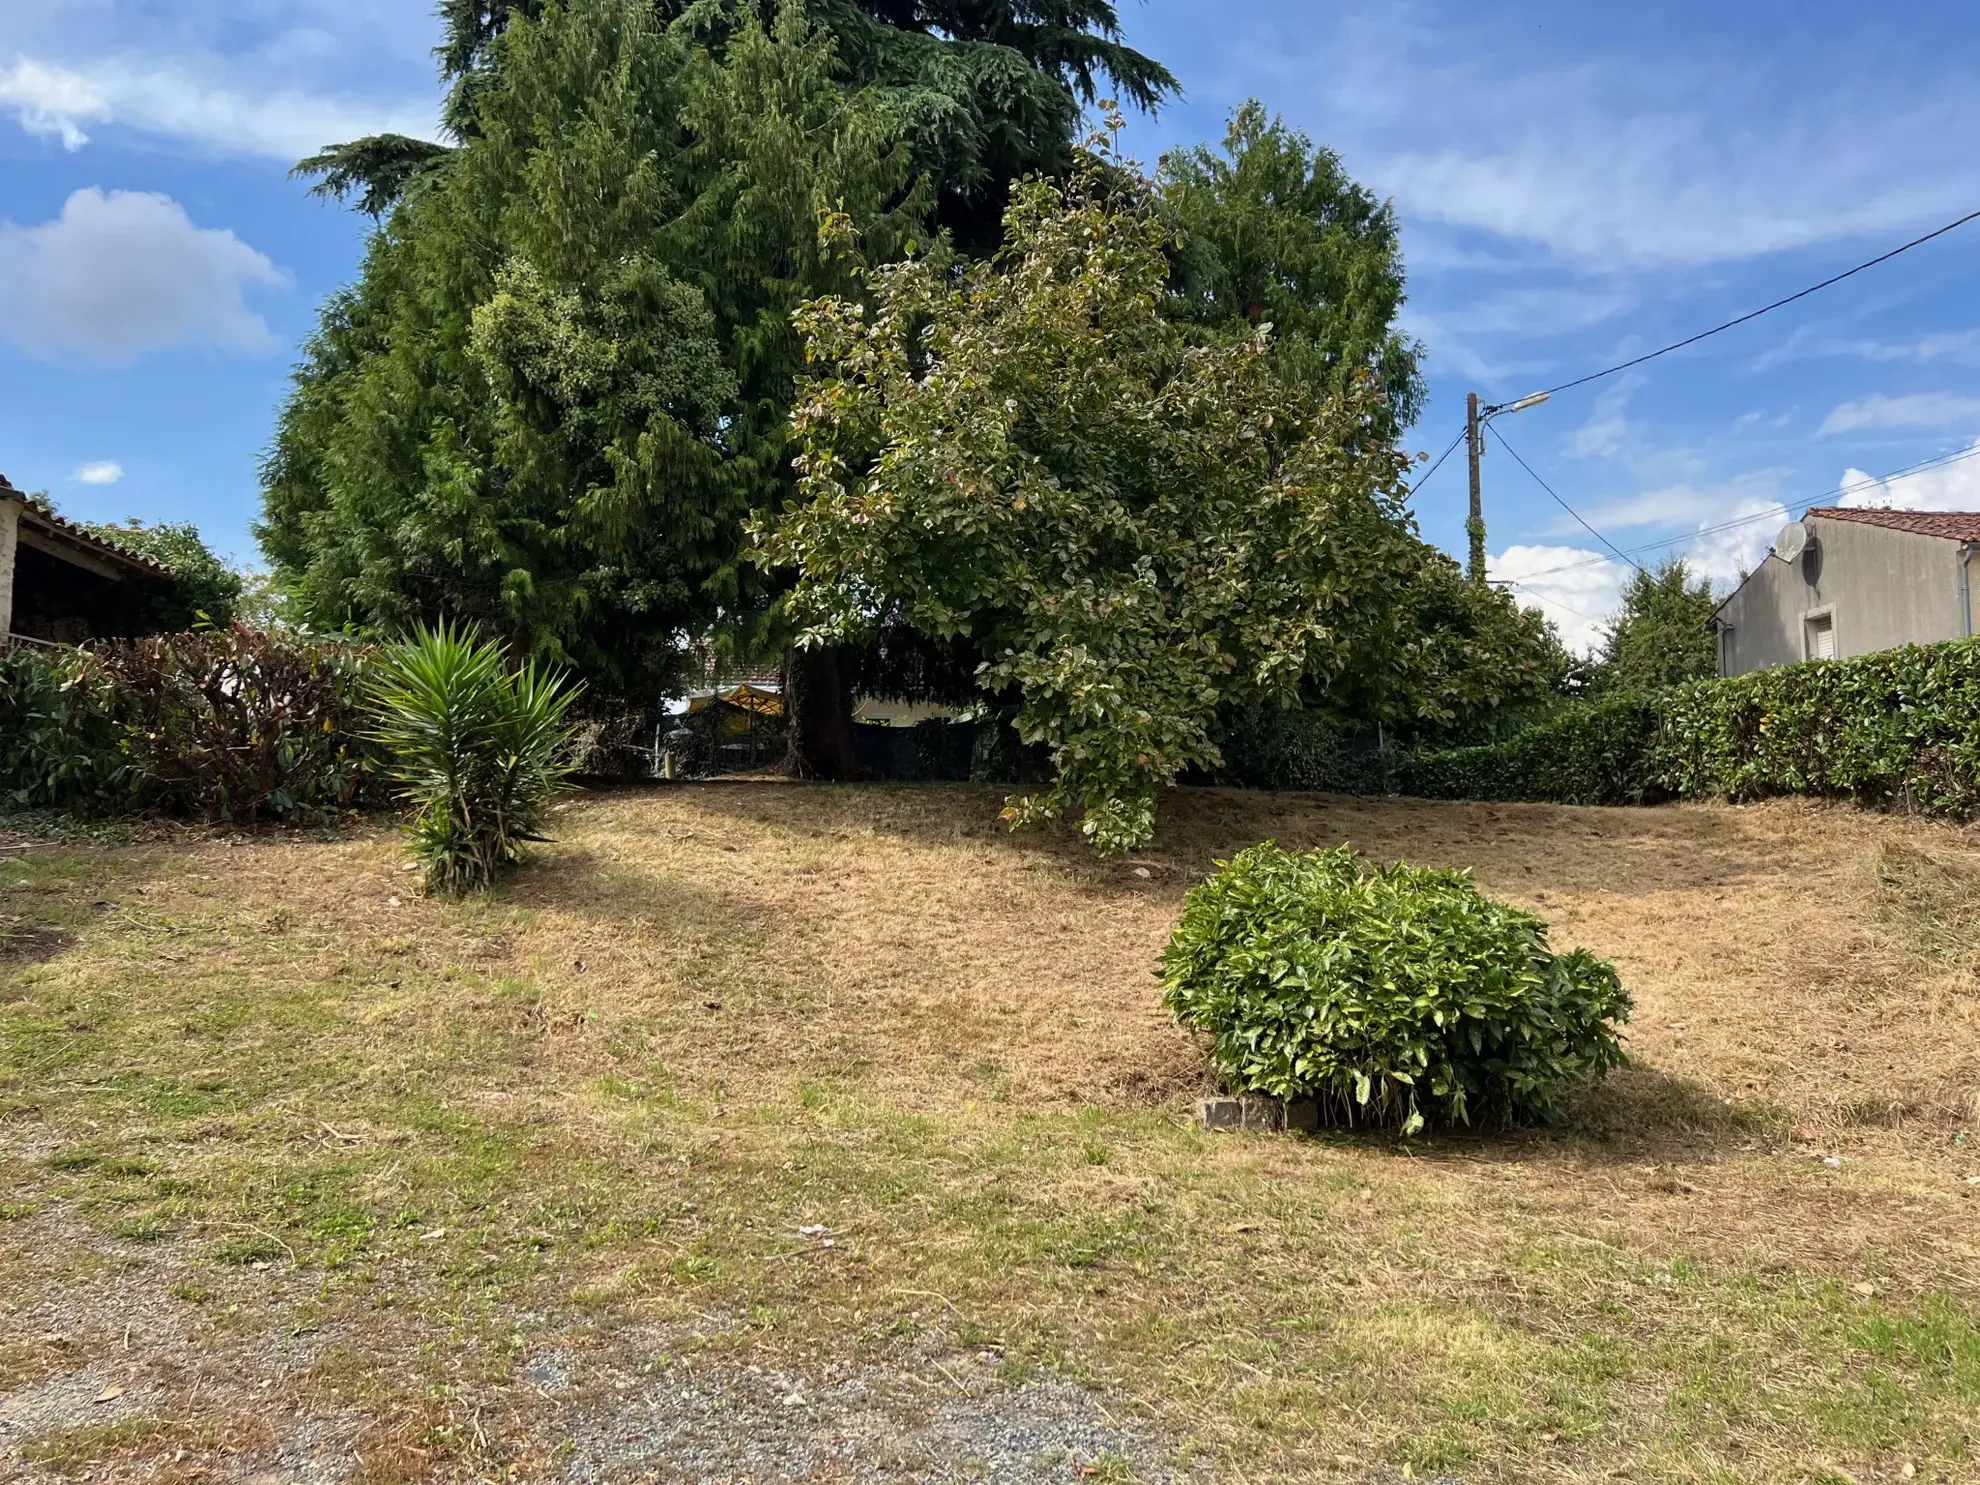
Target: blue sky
(1577, 184)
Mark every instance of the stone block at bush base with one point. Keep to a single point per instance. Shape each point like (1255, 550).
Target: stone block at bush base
(1255, 1111)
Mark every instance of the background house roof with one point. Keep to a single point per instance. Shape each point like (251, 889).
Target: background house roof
(49, 524)
(1953, 525)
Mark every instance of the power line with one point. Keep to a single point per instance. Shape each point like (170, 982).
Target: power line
(1562, 503)
(1595, 376)
(1439, 464)
(1936, 462)
(1679, 345)
(1549, 598)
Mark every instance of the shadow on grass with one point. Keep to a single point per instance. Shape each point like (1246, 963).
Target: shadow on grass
(585, 881)
(30, 943)
(56, 899)
(1638, 1115)
(1643, 1113)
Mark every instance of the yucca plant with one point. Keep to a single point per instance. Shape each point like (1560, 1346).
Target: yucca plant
(477, 750)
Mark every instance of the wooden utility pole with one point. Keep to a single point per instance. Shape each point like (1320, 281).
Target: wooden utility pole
(1475, 526)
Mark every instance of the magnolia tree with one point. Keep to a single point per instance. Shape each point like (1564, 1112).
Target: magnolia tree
(1137, 523)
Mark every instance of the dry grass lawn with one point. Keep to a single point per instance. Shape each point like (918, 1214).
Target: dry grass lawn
(285, 1145)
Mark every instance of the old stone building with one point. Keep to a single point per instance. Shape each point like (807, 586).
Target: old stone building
(63, 584)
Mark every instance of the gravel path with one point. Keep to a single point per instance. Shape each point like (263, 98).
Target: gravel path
(953, 1419)
(636, 1406)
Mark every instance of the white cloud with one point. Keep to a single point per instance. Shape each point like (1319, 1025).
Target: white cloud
(1919, 410)
(1627, 154)
(1579, 590)
(1725, 556)
(99, 472)
(1606, 427)
(50, 101)
(1687, 504)
(1948, 345)
(124, 272)
(172, 100)
(1578, 160)
(1949, 487)
(1455, 335)
(1960, 347)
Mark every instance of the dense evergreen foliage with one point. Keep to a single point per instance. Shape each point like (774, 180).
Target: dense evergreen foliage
(565, 375)
(1662, 635)
(1597, 752)
(1273, 231)
(982, 91)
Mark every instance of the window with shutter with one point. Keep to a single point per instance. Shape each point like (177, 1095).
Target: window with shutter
(1822, 638)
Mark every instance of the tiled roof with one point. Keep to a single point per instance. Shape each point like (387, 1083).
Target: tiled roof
(1953, 525)
(82, 536)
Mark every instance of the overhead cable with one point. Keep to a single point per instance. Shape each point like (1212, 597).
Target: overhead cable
(1937, 462)
(1496, 433)
(1595, 376)
(1549, 598)
(1439, 463)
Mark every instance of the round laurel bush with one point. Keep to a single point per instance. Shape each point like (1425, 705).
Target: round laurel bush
(1396, 995)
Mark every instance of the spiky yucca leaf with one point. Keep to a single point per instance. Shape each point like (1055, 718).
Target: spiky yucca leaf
(478, 751)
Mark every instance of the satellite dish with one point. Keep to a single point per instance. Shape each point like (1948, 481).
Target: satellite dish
(1794, 539)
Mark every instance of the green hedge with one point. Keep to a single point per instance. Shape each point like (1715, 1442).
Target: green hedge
(227, 724)
(1288, 747)
(59, 746)
(1604, 752)
(1897, 730)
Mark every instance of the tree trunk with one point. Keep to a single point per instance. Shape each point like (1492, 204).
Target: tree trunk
(818, 704)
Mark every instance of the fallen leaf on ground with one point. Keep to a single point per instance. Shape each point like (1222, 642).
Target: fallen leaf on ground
(109, 1394)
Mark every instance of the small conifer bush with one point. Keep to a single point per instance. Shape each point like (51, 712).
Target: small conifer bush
(1395, 995)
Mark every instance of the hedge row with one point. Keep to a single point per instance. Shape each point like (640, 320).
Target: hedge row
(227, 724)
(1603, 752)
(1897, 730)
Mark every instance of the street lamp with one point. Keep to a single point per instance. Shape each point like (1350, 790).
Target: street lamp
(1475, 419)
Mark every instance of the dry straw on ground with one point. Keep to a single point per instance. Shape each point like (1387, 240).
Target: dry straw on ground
(806, 1077)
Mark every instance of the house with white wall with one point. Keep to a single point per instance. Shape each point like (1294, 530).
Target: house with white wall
(1842, 582)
